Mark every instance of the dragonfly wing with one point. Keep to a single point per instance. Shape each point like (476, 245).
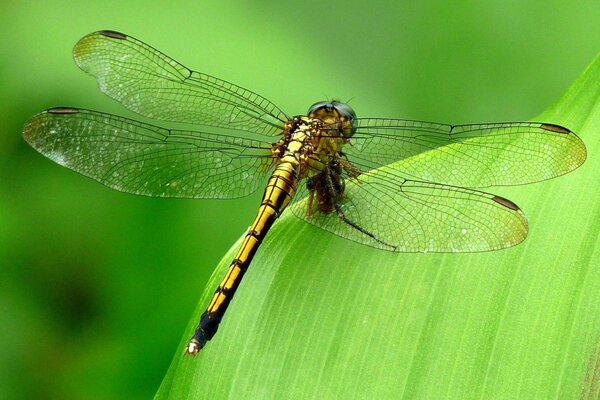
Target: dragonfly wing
(139, 158)
(478, 155)
(388, 212)
(154, 85)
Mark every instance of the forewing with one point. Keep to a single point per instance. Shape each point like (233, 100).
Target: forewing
(402, 215)
(153, 84)
(139, 158)
(479, 155)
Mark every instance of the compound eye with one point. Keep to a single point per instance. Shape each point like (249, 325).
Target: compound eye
(317, 105)
(348, 113)
(345, 110)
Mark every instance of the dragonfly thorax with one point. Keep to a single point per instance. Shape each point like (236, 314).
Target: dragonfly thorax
(312, 142)
(320, 134)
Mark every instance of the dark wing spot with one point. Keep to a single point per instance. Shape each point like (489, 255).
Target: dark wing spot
(63, 110)
(555, 128)
(113, 34)
(506, 203)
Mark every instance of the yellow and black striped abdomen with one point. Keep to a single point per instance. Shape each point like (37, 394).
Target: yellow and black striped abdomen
(280, 190)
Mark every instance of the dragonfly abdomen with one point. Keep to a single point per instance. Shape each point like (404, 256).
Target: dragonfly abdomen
(280, 190)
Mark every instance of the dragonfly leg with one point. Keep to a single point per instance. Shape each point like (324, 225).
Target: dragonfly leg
(309, 203)
(335, 190)
(311, 186)
(349, 168)
(343, 217)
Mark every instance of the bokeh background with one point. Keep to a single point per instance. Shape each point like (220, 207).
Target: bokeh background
(97, 286)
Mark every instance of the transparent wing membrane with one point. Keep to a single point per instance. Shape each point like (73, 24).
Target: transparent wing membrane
(139, 158)
(478, 155)
(154, 85)
(385, 211)
(390, 166)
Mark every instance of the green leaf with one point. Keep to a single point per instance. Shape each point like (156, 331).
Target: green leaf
(318, 316)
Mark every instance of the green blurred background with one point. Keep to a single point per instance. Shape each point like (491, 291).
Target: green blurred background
(97, 286)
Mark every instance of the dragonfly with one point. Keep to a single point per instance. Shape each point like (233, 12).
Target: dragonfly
(392, 184)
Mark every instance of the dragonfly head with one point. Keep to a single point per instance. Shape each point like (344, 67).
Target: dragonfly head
(335, 113)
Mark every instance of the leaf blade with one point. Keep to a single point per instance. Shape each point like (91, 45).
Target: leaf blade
(520, 323)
